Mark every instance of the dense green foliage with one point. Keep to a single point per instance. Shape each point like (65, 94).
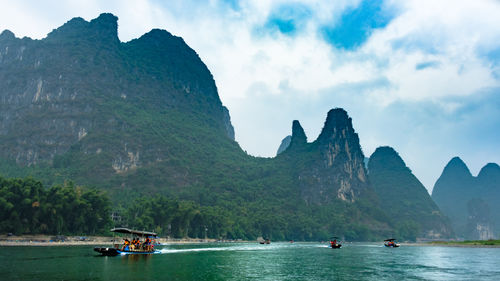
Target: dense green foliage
(179, 219)
(27, 207)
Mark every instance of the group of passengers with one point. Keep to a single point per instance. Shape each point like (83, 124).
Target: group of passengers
(333, 243)
(136, 245)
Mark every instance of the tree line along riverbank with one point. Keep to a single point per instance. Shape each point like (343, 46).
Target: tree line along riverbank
(28, 208)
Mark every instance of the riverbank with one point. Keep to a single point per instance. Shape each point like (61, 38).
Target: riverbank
(58, 240)
(47, 240)
(460, 244)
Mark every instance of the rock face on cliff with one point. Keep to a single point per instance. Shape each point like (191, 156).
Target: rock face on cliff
(284, 144)
(342, 155)
(332, 166)
(471, 203)
(404, 199)
(479, 224)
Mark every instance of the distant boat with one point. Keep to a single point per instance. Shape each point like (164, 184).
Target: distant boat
(263, 241)
(126, 248)
(391, 243)
(334, 244)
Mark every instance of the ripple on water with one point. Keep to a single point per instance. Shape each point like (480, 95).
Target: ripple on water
(248, 261)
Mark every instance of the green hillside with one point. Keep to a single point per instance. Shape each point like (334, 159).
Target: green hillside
(142, 120)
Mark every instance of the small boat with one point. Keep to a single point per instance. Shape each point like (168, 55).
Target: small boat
(126, 248)
(334, 244)
(263, 241)
(391, 243)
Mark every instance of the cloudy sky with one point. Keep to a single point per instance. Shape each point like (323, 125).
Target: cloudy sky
(420, 76)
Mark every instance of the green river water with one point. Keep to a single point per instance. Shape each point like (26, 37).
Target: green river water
(249, 261)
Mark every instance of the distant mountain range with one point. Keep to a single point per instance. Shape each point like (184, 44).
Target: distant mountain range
(144, 118)
(471, 203)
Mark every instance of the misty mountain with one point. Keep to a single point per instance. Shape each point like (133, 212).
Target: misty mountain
(404, 198)
(471, 203)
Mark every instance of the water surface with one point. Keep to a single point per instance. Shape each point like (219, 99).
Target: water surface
(249, 261)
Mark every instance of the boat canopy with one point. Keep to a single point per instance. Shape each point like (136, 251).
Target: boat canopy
(391, 239)
(132, 231)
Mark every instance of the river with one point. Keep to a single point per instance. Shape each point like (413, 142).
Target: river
(249, 261)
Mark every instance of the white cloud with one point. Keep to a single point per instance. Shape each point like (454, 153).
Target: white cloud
(449, 32)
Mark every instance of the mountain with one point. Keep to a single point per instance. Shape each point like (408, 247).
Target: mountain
(411, 210)
(284, 144)
(471, 203)
(331, 166)
(143, 119)
(489, 180)
(330, 176)
(81, 96)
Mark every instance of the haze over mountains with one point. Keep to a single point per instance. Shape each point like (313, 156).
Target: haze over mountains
(471, 203)
(144, 117)
(403, 197)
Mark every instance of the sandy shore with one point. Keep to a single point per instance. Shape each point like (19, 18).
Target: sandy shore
(44, 240)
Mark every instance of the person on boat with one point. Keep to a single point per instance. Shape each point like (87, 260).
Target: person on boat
(147, 244)
(126, 245)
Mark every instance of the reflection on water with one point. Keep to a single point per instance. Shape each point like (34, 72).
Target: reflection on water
(479, 263)
(237, 261)
(144, 258)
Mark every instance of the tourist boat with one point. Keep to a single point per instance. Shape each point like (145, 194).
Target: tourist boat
(391, 243)
(121, 249)
(334, 244)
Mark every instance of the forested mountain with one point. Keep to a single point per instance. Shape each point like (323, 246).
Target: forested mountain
(404, 198)
(471, 203)
(108, 113)
(143, 121)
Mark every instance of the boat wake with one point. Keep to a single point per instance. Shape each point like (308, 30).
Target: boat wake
(213, 249)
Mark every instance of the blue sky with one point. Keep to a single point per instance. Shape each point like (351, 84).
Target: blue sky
(420, 76)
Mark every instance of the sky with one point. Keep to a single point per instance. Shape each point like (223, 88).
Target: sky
(420, 76)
